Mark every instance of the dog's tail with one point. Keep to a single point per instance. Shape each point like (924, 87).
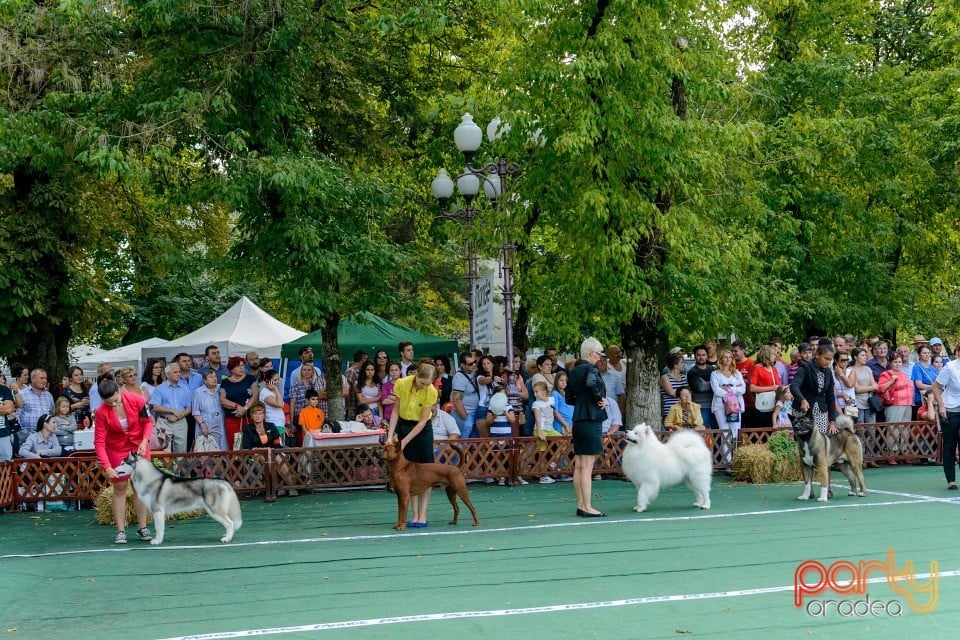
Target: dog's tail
(845, 423)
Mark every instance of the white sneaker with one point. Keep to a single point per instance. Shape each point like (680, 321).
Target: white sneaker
(522, 482)
(566, 478)
(547, 480)
(502, 482)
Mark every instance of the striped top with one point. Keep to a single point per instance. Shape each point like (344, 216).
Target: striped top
(667, 401)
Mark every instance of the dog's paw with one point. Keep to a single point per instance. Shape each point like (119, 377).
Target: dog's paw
(452, 522)
(639, 509)
(822, 499)
(862, 494)
(852, 493)
(400, 527)
(803, 497)
(156, 541)
(477, 523)
(226, 538)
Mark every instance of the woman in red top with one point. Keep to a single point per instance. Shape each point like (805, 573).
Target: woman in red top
(763, 379)
(123, 426)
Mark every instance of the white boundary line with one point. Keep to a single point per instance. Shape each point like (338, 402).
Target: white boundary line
(911, 499)
(555, 608)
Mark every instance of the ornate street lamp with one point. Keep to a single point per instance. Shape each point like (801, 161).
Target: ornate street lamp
(468, 138)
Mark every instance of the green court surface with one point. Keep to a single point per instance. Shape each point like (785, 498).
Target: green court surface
(330, 566)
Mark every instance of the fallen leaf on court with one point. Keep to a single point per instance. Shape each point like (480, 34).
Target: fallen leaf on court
(679, 630)
(12, 630)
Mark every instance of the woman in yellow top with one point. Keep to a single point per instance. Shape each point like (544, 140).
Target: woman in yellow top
(416, 398)
(685, 414)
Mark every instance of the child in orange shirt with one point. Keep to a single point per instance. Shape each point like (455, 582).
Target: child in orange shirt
(311, 416)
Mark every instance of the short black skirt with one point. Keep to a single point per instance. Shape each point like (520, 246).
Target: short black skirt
(587, 439)
(420, 449)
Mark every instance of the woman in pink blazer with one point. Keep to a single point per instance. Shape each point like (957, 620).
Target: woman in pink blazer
(123, 426)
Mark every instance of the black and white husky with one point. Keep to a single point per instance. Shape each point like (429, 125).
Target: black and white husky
(166, 495)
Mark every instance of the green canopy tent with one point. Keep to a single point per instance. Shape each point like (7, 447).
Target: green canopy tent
(368, 332)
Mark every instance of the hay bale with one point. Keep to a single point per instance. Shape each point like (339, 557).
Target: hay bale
(103, 507)
(753, 463)
(757, 464)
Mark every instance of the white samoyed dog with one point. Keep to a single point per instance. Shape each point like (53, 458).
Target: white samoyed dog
(651, 465)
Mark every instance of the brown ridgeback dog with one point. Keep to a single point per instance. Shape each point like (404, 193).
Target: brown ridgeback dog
(413, 478)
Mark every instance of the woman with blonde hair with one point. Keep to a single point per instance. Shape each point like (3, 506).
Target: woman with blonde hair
(410, 419)
(728, 389)
(127, 379)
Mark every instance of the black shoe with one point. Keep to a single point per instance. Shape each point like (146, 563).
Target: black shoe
(829, 494)
(586, 514)
(951, 487)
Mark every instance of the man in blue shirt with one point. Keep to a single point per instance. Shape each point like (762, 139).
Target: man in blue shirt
(172, 401)
(212, 354)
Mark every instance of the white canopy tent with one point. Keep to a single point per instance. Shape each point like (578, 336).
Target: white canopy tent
(125, 356)
(241, 328)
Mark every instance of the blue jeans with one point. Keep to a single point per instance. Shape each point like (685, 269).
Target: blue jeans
(708, 420)
(466, 425)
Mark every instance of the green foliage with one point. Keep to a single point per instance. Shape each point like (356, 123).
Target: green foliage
(784, 449)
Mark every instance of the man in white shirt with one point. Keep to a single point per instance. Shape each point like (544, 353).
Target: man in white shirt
(946, 389)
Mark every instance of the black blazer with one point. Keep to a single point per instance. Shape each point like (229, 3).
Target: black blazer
(804, 386)
(251, 440)
(584, 390)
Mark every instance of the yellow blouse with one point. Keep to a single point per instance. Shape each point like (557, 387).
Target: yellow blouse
(691, 420)
(410, 401)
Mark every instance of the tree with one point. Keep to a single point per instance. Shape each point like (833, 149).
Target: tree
(74, 211)
(631, 165)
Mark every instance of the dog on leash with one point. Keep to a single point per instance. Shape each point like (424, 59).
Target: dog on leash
(651, 465)
(413, 478)
(819, 452)
(167, 495)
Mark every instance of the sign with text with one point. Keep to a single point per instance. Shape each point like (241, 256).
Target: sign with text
(482, 309)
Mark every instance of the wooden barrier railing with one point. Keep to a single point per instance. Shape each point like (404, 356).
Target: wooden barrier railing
(265, 471)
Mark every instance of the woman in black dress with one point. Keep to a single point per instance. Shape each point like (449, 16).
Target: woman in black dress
(587, 393)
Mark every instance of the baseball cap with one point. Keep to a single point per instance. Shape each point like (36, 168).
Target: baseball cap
(805, 346)
(676, 350)
(934, 341)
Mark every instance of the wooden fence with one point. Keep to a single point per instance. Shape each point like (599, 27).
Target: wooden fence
(265, 471)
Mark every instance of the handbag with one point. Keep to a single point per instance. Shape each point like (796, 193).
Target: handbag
(851, 410)
(204, 443)
(874, 402)
(765, 401)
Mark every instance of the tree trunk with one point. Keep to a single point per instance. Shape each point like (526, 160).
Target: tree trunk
(46, 348)
(645, 347)
(332, 366)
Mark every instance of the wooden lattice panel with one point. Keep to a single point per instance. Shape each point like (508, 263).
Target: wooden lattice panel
(8, 484)
(80, 476)
(550, 457)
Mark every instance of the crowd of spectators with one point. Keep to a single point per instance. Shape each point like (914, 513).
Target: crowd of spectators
(721, 388)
